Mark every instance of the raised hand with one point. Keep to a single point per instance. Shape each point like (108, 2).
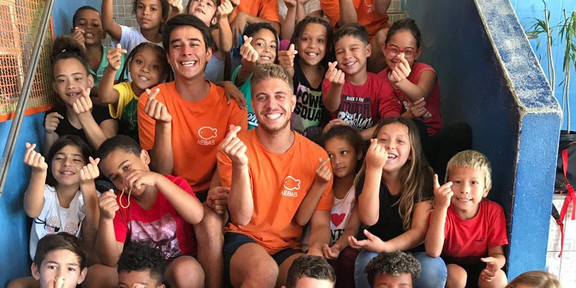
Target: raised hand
(176, 5)
(401, 71)
(52, 121)
(78, 36)
(34, 159)
(155, 109)
(218, 199)
(249, 54)
(323, 172)
(376, 155)
(84, 103)
(108, 205)
(442, 194)
(372, 243)
(334, 75)
(90, 171)
(331, 252)
(286, 58)
(225, 9)
(234, 148)
(114, 57)
(238, 25)
(138, 178)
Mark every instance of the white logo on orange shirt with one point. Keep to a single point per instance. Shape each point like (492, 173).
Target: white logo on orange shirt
(207, 134)
(290, 184)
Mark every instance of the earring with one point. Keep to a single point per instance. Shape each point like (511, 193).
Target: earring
(120, 200)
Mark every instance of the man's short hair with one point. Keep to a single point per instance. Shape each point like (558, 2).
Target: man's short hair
(118, 142)
(471, 159)
(140, 256)
(185, 20)
(394, 263)
(270, 71)
(312, 267)
(60, 241)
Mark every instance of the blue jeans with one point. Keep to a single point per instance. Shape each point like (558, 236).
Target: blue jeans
(433, 274)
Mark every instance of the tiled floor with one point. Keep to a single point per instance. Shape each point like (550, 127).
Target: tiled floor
(562, 267)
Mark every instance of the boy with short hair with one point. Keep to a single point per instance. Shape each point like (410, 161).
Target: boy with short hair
(392, 270)
(60, 261)
(141, 264)
(155, 208)
(310, 272)
(466, 229)
(353, 95)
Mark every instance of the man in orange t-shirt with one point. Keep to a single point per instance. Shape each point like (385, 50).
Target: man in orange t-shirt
(271, 170)
(191, 116)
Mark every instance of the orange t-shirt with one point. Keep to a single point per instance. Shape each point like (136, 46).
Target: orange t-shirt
(365, 10)
(197, 130)
(265, 9)
(279, 183)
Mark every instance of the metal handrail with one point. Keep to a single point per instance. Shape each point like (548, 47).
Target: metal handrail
(24, 95)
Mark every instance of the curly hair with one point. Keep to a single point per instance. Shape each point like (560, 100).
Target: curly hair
(310, 266)
(64, 47)
(140, 256)
(394, 263)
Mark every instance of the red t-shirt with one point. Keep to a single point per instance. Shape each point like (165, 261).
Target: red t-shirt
(433, 105)
(362, 106)
(466, 241)
(161, 224)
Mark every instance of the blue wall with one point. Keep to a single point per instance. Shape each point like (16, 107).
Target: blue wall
(14, 224)
(527, 10)
(491, 80)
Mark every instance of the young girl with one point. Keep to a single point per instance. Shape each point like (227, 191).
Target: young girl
(150, 15)
(61, 195)
(415, 84)
(72, 83)
(344, 147)
(89, 33)
(394, 201)
(260, 47)
(148, 67)
(215, 14)
(313, 39)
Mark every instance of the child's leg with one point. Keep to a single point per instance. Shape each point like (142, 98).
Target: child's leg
(24, 282)
(362, 261)
(499, 281)
(433, 273)
(185, 272)
(209, 240)
(101, 276)
(456, 276)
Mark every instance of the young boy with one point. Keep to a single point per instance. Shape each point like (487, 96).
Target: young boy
(393, 270)
(155, 208)
(466, 229)
(354, 96)
(310, 272)
(60, 261)
(141, 265)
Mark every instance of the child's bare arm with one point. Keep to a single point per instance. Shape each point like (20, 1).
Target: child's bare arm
(240, 201)
(162, 156)
(106, 92)
(107, 248)
(369, 199)
(399, 80)
(90, 225)
(287, 25)
(34, 196)
(249, 58)
(347, 12)
(319, 232)
(417, 232)
(435, 237)
(111, 27)
(336, 78)
(351, 229)
(286, 59)
(95, 133)
(310, 202)
(51, 123)
(224, 40)
(494, 263)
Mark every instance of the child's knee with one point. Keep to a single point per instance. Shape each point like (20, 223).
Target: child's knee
(499, 280)
(456, 276)
(185, 271)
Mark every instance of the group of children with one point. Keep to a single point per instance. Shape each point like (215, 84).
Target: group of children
(376, 201)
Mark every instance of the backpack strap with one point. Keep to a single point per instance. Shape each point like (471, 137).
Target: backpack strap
(570, 199)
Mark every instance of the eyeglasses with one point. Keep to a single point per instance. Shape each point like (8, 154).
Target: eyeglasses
(394, 51)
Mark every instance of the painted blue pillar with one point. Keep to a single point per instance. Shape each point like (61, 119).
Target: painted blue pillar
(490, 78)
